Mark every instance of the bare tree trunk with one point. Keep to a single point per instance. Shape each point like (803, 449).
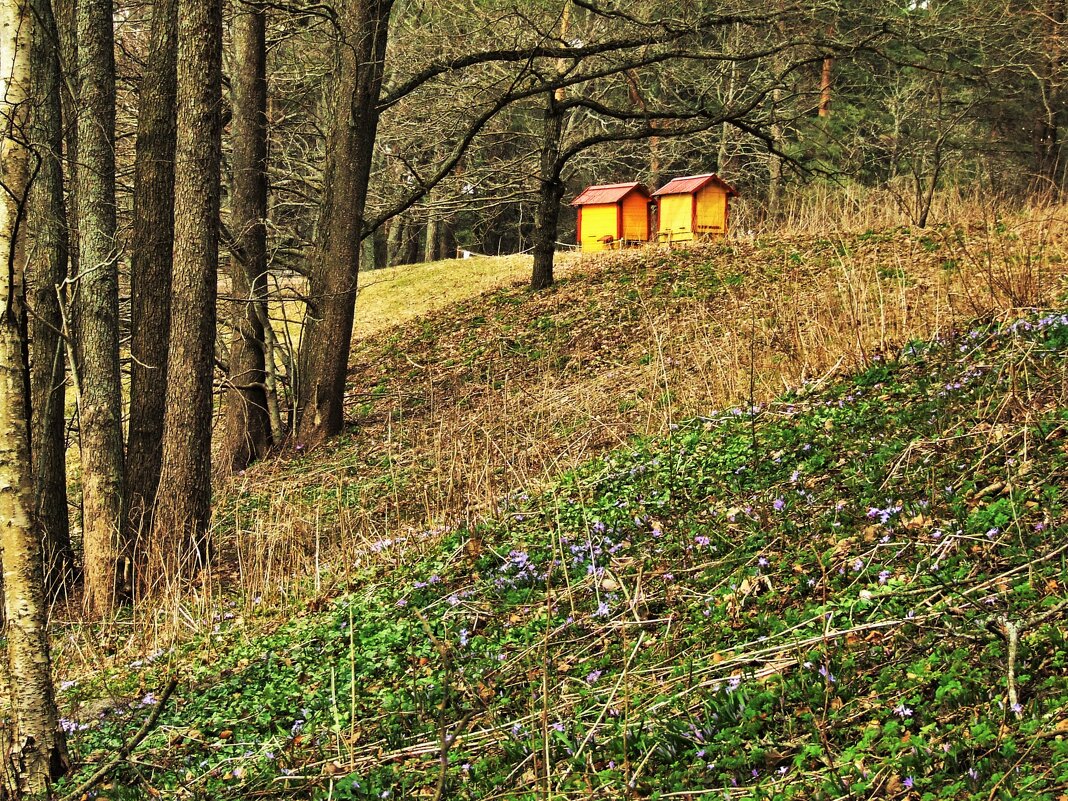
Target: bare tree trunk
(638, 99)
(550, 188)
(66, 17)
(151, 265)
(395, 241)
(32, 748)
(550, 193)
(774, 162)
(46, 272)
(446, 239)
(430, 245)
(380, 247)
(327, 335)
(97, 316)
(412, 243)
(1052, 119)
(826, 83)
(183, 505)
(270, 348)
(247, 435)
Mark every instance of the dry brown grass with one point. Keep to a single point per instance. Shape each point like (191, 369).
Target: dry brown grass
(500, 393)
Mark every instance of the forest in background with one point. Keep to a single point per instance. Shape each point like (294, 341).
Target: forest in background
(175, 170)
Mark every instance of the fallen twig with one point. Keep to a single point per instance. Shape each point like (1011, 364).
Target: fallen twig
(127, 748)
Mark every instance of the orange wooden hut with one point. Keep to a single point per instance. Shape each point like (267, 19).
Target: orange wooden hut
(693, 207)
(612, 216)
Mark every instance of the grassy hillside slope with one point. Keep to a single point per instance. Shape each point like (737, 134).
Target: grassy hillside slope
(855, 588)
(506, 390)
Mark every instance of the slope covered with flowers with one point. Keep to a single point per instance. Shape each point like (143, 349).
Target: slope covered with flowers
(857, 590)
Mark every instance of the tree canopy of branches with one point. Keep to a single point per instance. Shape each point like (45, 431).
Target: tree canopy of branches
(335, 138)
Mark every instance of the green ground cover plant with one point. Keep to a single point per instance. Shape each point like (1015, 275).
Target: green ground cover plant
(856, 590)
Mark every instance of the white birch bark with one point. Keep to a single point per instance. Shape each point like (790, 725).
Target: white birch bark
(33, 751)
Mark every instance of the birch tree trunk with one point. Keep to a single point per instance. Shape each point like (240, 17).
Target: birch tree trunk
(247, 433)
(46, 270)
(97, 312)
(151, 265)
(33, 749)
(183, 501)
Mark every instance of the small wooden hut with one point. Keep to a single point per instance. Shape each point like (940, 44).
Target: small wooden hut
(694, 207)
(612, 216)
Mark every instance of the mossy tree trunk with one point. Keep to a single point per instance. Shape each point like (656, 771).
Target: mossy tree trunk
(33, 748)
(183, 501)
(97, 312)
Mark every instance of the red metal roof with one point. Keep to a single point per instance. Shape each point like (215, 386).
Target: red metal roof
(607, 193)
(691, 184)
